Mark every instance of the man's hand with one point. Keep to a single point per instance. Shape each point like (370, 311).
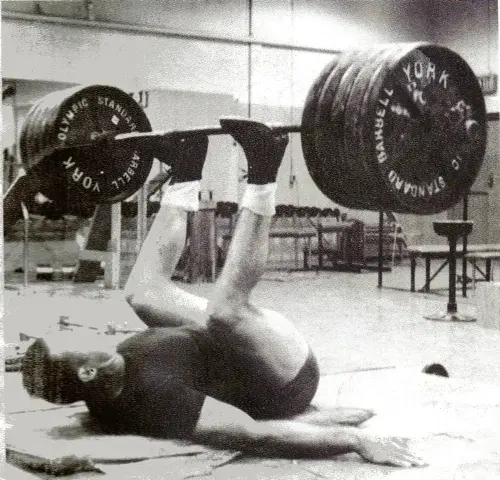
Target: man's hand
(387, 451)
(224, 426)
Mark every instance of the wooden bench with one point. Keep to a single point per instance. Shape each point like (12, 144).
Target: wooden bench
(307, 233)
(430, 252)
(341, 251)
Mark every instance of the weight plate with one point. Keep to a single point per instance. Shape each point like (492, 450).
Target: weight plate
(389, 201)
(32, 127)
(35, 133)
(101, 110)
(24, 149)
(369, 183)
(49, 105)
(337, 188)
(79, 116)
(350, 173)
(327, 131)
(428, 128)
(307, 135)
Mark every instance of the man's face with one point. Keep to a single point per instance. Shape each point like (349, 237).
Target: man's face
(62, 365)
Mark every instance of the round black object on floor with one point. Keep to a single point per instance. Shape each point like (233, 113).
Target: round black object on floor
(436, 369)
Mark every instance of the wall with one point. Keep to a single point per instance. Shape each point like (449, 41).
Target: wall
(208, 16)
(130, 62)
(280, 78)
(470, 28)
(89, 55)
(494, 197)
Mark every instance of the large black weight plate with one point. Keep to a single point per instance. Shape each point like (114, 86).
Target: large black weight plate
(25, 148)
(28, 129)
(385, 63)
(104, 110)
(44, 134)
(33, 133)
(83, 115)
(428, 129)
(34, 141)
(307, 135)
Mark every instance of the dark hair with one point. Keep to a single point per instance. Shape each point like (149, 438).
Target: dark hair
(50, 377)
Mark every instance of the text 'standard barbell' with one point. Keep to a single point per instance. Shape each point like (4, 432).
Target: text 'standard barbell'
(400, 128)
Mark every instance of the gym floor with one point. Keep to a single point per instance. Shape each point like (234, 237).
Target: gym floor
(350, 323)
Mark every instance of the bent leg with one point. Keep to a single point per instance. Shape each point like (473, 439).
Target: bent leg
(265, 338)
(157, 300)
(269, 345)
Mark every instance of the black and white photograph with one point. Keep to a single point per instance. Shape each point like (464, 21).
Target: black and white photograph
(250, 239)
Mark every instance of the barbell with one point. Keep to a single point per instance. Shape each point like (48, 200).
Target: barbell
(398, 128)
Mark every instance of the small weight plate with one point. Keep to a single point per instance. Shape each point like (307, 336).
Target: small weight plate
(307, 136)
(327, 131)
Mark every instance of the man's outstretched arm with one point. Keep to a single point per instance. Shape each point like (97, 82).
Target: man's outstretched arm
(223, 426)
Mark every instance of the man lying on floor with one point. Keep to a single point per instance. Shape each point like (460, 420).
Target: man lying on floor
(226, 372)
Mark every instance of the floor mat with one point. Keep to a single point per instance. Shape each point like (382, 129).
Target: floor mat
(65, 441)
(453, 424)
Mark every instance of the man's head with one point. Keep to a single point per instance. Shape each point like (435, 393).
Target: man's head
(67, 367)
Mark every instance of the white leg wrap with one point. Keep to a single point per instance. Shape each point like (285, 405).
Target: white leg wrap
(260, 199)
(184, 195)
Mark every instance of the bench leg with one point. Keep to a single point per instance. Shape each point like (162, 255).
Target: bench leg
(474, 274)
(464, 277)
(427, 287)
(320, 249)
(413, 266)
(307, 252)
(427, 274)
(488, 270)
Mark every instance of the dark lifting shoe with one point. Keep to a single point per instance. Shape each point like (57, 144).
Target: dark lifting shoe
(185, 154)
(263, 147)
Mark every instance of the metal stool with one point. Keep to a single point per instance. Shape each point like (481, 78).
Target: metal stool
(452, 230)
